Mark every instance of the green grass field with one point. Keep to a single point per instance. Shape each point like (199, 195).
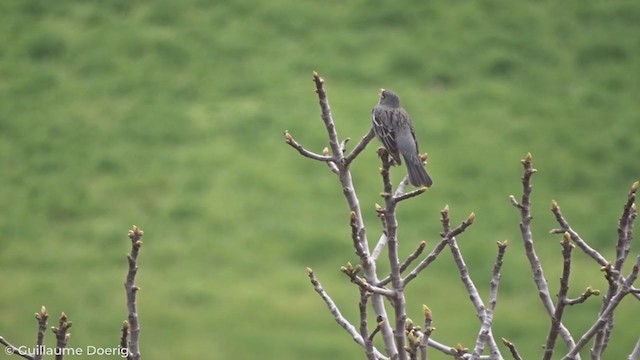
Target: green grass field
(170, 115)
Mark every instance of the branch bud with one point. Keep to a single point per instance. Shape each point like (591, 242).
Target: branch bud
(349, 267)
(590, 290)
(427, 312)
(136, 232)
(554, 205)
(42, 314)
(471, 218)
(408, 324)
(635, 186)
(325, 151)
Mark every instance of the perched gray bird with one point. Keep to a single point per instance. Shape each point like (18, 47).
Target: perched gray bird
(393, 127)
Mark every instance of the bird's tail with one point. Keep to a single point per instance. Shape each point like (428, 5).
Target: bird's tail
(418, 175)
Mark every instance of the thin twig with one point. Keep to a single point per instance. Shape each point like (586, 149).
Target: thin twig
(625, 226)
(410, 194)
(583, 297)
(62, 336)
(42, 316)
(512, 349)
(485, 336)
(382, 242)
(12, 350)
(471, 288)
(612, 271)
(360, 146)
(304, 152)
(428, 329)
(337, 315)
(602, 319)
(565, 227)
(446, 235)
(352, 273)
(527, 236)
(405, 264)
(131, 290)
(556, 319)
(364, 332)
(356, 237)
(625, 234)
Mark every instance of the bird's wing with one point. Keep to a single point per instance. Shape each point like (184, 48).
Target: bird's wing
(413, 132)
(384, 129)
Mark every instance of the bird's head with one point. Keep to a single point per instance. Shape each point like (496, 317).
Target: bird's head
(389, 98)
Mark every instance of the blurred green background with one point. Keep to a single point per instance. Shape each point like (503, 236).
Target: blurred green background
(170, 115)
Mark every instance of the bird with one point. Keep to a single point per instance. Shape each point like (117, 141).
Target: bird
(392, 126)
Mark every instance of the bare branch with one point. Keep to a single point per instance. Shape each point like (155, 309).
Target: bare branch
(625, 228)
(426, 261)
(485, 336)
(360, 146)
(556, 319)
(583, 297)
(405, 264)
(352, 273)
(10, 349)
(512, 349)
(327, 118)
(382, 242)
(428, 329)
(304, 152)
(527, 236)
(364, 332)
(410, 194)
(42, 316)
(603, 318)
(375, 331)
(580, 243)
(612, 271)
(337, 315)
(131, 290)
(471, 288)
(356, 236)
(62, 336)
